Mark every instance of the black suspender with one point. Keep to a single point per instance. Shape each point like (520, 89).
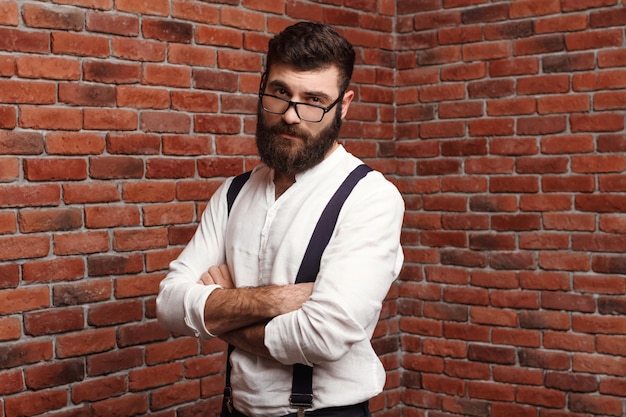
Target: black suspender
(302, 382)
(235, 187)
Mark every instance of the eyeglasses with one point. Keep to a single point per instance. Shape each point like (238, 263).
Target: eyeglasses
(307, 112)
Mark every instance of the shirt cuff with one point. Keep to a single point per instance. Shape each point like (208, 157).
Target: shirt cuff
(195, 301)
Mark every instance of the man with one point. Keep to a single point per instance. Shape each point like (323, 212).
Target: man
(236, 278)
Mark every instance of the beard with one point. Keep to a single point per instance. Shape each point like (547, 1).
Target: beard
(291, 157)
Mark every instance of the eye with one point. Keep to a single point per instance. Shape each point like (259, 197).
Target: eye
(315, 100)
(281, 92)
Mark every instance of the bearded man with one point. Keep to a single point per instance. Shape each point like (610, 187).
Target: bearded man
(248, 276)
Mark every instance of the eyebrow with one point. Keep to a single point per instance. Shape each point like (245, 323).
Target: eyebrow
(310, 93)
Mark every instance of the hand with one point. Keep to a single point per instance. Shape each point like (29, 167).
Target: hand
(217, 275)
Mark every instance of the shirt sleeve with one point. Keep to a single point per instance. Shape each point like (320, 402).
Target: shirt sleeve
(181, 299)
(360, 263)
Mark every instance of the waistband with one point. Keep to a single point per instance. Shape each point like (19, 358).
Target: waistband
(355, 410)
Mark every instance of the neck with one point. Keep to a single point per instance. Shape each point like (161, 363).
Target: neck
(282, 182)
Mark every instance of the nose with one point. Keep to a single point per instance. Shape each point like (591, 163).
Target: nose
(291, 116)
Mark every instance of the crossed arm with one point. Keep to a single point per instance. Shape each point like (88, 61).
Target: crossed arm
(238, 315)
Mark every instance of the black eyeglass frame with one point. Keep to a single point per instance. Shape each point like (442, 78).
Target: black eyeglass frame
(295, 103)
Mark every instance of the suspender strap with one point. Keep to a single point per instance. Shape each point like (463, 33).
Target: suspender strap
(235, 186)
(310, 265)
(302, 381)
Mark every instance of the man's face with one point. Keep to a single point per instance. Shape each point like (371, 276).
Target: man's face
(287, 143)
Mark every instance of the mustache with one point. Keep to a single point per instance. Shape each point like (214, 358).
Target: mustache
(282, 128)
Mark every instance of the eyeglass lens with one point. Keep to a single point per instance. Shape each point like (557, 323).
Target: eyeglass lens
(305, 111)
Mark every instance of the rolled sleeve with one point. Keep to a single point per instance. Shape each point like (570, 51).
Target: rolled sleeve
(181, 300)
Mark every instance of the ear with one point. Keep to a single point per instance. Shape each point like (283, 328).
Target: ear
(345, 103)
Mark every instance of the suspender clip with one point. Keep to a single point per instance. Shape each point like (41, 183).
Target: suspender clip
(228, 396)
(300, 402)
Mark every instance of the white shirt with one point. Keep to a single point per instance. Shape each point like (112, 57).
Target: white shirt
(263, 243)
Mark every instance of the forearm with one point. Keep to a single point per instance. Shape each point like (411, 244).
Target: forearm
(237, 308)
(249, 339)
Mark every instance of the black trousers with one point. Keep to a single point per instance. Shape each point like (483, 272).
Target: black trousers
(357, 410)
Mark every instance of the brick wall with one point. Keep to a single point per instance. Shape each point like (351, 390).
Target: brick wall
(511, 156)
(118, 120)
(502, 122)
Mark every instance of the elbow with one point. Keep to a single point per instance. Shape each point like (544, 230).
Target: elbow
(329, 355)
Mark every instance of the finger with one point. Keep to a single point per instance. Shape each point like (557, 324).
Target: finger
(206, 279)
(223, 277)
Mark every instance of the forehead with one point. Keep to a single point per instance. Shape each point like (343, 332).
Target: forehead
(326, 79)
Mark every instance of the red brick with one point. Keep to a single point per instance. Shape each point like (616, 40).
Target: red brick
(55, 169)
(74, 143)
(137, 50)
(133, 143)
(54, 321)
(111, 73)
(613, 386)
(204, 13)
(167, 30)
(541, 397)
(517, 337)
(60, 269)
(81, 292)
(114, 24)
(11, 382)
(85, 342)
(54, 374)
(564, 262)
(22, 41)
(81, 243)
(167, 75)
(129, 404)
(138, 285)
(79, 44)
(114, 361)
(575, 342)
(155, 376)
(114, 313)
(93, 192)
(87, 95)
(155, 7)
(38, 402)
(217, 124)
(98, 389)
(48, 18)
(8, 117)
(606, 122)
(110, 167)
(142, 239)
(504, 107)
(598, 404)
(515, 299)
(9, 14)
(197, 190)
(491, 391)
(48, 68)
(165, 122)
(192, 55)
(110, 216)
(147, 332)
(594, 39)
(24, 247)
(31, 92)
(162, 168)
(8, 222)
(10, 329)
(53, 118)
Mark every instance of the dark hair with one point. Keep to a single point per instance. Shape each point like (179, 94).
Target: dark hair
(310, 46)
